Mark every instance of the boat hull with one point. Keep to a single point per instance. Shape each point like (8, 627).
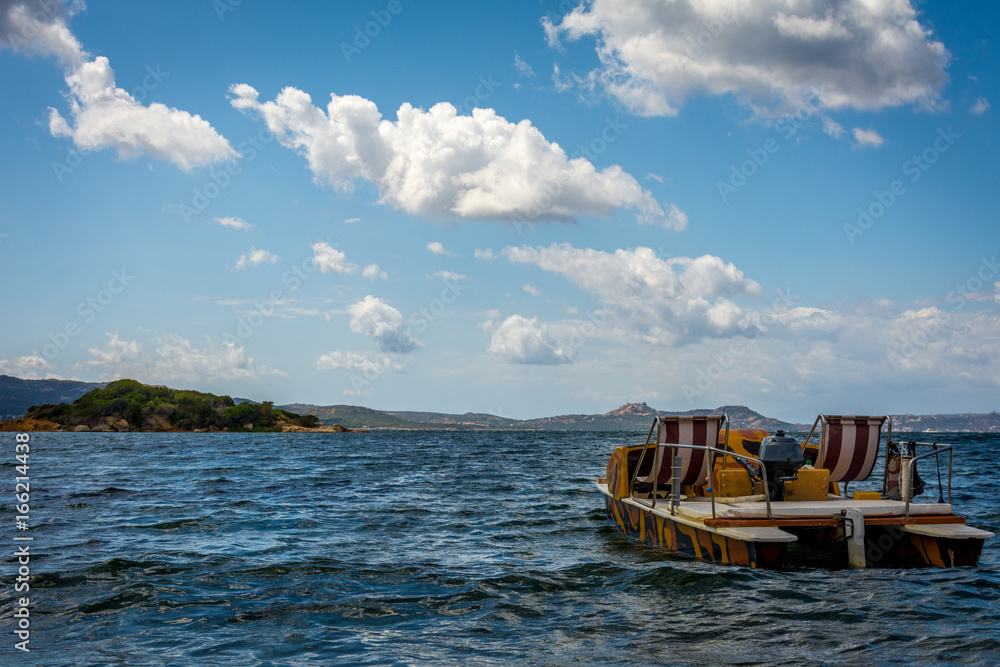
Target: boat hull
(673, 536)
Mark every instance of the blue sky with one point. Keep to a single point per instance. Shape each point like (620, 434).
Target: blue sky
(524, 208)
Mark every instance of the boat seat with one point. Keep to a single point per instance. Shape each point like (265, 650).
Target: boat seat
(684, 430)
(848, 445)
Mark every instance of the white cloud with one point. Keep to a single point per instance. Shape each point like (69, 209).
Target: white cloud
(981, 106)
(865, 138)
(175, 359)
(235, 223)
(440, 165)
(832, 127)
(676, 219)
(352, 221)
(372, 272)
(772, 54)
(104, 115)
(810, 29)
(484, 254)
(438, 249)
(27, 367)
(329, 258)
(530, 289)
(384, 324)
(255, 258)
(523, 341)
(523, 68)
(449, 275)
(662, 301)
(37, 26)
(350, 361)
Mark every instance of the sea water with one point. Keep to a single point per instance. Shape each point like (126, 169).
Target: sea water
(445, 547)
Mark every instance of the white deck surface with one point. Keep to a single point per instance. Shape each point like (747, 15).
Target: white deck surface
(956, 531)
(702, 508)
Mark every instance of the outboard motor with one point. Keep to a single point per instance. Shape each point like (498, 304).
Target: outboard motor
(782, 457)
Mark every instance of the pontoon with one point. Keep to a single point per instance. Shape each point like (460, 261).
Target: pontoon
(745, 497)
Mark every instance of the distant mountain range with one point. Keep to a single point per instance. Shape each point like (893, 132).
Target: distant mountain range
(17, 395)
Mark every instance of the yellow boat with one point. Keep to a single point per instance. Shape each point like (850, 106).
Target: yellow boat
(743, 497)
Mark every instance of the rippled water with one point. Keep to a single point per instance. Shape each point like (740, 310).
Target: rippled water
(418, 547)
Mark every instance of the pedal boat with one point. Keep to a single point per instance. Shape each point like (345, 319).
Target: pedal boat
(744, 497)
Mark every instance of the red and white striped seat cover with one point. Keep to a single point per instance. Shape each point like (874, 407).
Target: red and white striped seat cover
(849, 446)
(701, 431)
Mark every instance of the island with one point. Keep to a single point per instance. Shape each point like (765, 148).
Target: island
(128, 405)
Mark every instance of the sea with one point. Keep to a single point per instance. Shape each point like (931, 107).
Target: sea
(432, 547)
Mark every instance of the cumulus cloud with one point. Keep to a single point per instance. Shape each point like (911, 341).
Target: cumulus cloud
(373, 272)
(772, 54)
(981, 106)
(663, 301)
(486, 254)
(103, 115)
(330, 259)
(437, 248)
(522, 341)
(255, 258)
(530, 289)
(383, 324)
(235, 223)
(333, 361)
(40, 26)
(441, 165)
(27, 367)
(867, 138)
(174, 358)
(676, 219)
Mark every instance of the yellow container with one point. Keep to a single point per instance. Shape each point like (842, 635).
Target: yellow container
(812, 484)
(732, 482)
(866, 495)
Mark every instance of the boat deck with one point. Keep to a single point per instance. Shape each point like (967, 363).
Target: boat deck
(746, 518)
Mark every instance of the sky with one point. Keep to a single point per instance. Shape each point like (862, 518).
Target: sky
(525, 208)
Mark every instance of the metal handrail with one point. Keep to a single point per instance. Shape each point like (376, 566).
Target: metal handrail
(642, 456)
(724, 418)
(937, 448)
(710, 450)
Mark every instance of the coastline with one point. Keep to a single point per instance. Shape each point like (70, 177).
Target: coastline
(32, 425)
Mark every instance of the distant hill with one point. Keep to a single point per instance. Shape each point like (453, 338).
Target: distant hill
(128, 405)
(469, 419)
(629, 417)
(974, 422)
(353, 416)
(639, 416)
(17, 395)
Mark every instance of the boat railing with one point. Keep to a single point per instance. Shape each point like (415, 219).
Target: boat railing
(911, 462)
(675, 475)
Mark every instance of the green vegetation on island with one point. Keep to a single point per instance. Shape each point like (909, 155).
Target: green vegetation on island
(128, 405)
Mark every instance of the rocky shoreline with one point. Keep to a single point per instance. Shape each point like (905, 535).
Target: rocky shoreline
(111, 425)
